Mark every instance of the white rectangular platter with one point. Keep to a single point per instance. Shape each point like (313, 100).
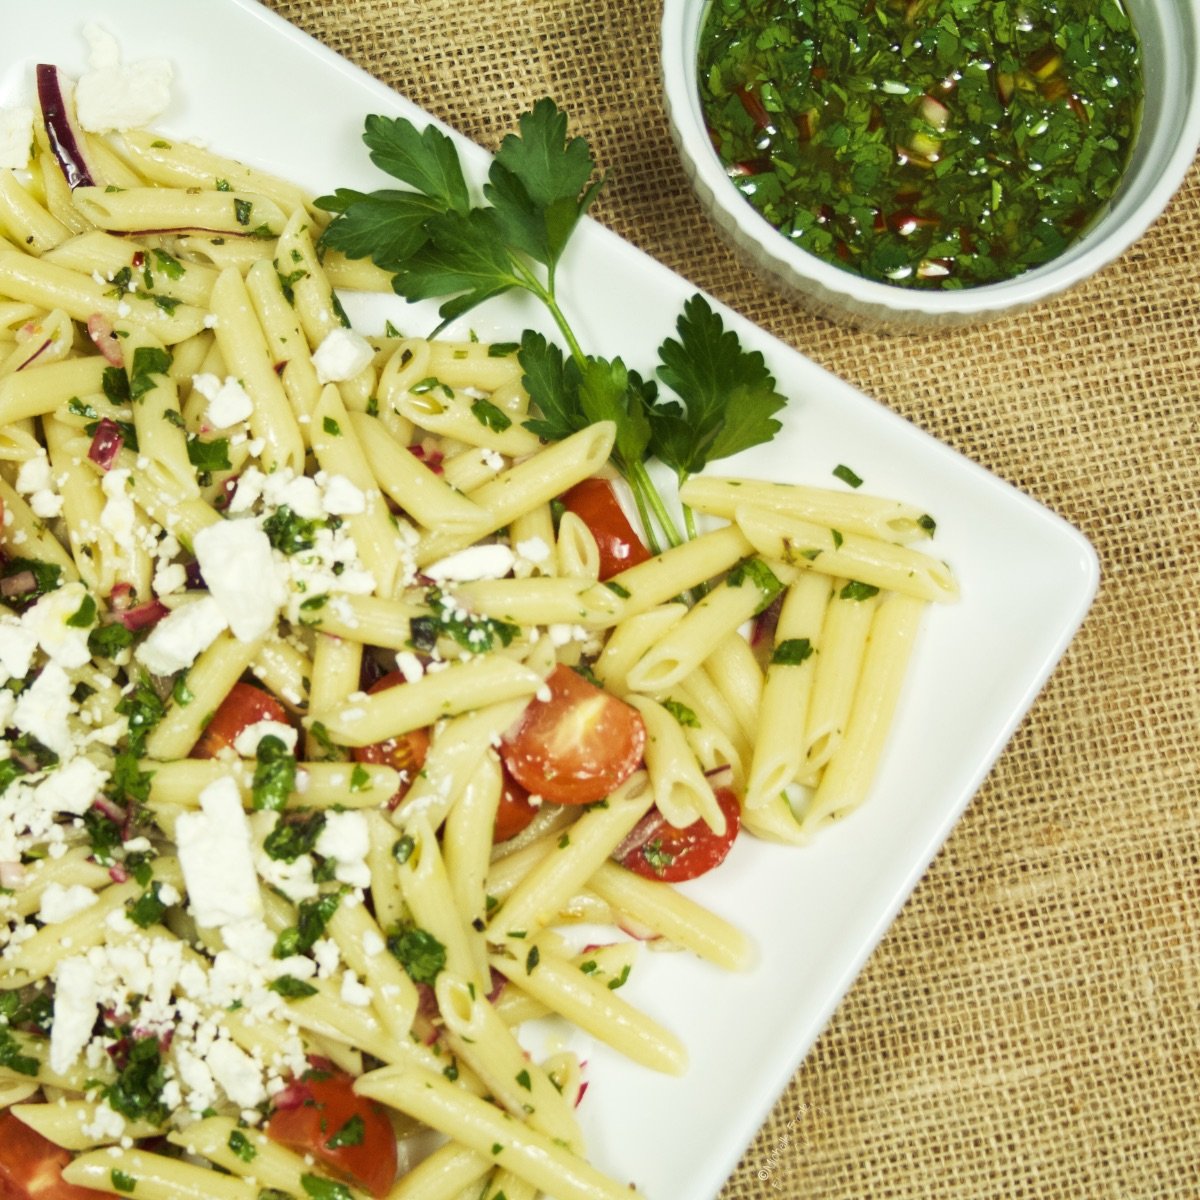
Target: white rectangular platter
(251, 86)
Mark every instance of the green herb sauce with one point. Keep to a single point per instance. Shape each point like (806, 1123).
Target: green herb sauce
(928, 143)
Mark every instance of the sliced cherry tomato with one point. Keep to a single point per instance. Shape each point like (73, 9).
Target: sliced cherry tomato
(578, 745)
(31, 1167)
(245, 705)
(657, 850)
(596, 504)
(405, 752)
(349, 1134)
(514, 811)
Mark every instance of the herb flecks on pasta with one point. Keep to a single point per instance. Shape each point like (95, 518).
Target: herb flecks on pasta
(336, 684)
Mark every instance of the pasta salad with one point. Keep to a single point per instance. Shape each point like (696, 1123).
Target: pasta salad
(336, 682)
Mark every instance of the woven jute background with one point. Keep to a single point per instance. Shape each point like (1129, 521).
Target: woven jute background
(1030, 1027)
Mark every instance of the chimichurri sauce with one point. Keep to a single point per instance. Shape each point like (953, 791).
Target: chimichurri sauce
(927, 143)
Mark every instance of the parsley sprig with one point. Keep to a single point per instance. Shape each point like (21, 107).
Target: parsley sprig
(439, 244)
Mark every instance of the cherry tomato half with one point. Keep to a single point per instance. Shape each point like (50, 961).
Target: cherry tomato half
(578, 745)
(663, 852)
(514, 811)
(31, 1167)
(245, 705)
(596, 504)
(405, 752)
(351, 1135)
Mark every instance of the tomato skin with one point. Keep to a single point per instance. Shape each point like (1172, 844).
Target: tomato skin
(405, 753)
(369, 1160)
(31, 1167)
(579, 745)
(672, 855)
(245, 705)
(514, 811)
(596, 504)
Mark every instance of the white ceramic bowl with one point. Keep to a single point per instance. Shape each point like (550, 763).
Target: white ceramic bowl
(1165, 148)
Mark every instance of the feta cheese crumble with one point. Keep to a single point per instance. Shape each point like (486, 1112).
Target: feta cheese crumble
(16, 137)
(114, 96)
(341, 355)
(216, 855)
(228, 402)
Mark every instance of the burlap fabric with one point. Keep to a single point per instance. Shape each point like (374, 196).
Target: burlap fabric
(1030, 1027)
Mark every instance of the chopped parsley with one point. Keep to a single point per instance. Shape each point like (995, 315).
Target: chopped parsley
(291, 988)
(13, 1056)
(274, 773)
(418, 952)
(791, 652)
(293, 836)
(933, 144)
(241, 1145)
(487, 414)
(148, 361)
(312, 916)
(122, 1182)
(137, 1090)
(289, 532)
(208, 456)
(755, 571)
(350, 1134)
(858, 591)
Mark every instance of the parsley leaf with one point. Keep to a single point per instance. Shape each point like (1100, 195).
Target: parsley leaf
(418, 952)
(729, 397)
(274, 773)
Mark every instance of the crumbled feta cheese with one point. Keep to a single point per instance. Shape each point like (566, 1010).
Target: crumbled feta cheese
(354, 992)
(49, 621)
(118, 516)
(43, 707)
(346, 840)
(216, 856)
(534, 549)
(341, 355)
(246, 742)
(61, 903)
(409, 665)
(342, 498)
(106, 1125)
(169, 577)
(17, 648)
(325, 952)
(71, 788)
(181, 636)
(16, 137)
(476, 562)
(76, 998)
(237, 1074)
(237, 563)
(115, 96)
(228, 401)
(36, 481)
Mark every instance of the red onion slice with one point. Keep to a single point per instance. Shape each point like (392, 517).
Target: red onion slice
(106, 444)
(142, 616)
(100, 330)
(18, 584)
(66, 140)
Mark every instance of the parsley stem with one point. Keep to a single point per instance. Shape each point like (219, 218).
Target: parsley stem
(640, 478)
(545, 293)
(689, 517)
(639, 499)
